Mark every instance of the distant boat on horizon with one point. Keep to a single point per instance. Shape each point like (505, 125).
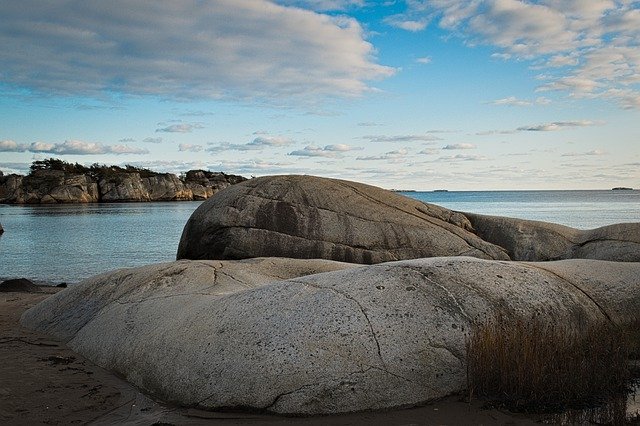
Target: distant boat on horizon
(622, 188)
(440, 190)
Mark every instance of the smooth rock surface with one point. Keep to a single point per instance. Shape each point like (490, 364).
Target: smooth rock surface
(317, 218)
(364, 338)
(541, 241)
(79, 304)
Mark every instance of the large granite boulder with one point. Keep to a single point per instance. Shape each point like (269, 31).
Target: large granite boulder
(176, 281)
(365, 338)
(540, 241)
(311, 217)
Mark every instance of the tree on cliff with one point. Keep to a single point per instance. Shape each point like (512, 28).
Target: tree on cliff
(57, 164)
(96, 171)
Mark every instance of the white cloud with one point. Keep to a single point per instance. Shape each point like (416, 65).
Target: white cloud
(402, 138)
(257, 167)
(595, 152)
(180, 128)
(183, 147)
(70, 147)
(323, 5)
(513, 101)
(424, 60)
(464, 157)
(429, 151)
(329, 151)
(152, 140)
(12, 146)
(15, 168)
(342, 148)
(398, 155)
(112, 149)
(190, 49)
(274, 141)
(259, 143)
(459, 146)
(175, 166)
(510, 101)
(76, 147)
(402, 22)
(591, 46)
(562, 61)
(495, 132)
(557, 125)
(502, 56)
(627, 99)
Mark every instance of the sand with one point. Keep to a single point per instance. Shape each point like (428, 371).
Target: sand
(42, 381)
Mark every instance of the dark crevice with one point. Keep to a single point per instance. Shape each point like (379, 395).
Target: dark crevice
(577, 287)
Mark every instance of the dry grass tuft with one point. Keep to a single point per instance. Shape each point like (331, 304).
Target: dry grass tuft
(529, 365)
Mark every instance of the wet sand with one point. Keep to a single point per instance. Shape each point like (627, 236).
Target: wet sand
(42, 381)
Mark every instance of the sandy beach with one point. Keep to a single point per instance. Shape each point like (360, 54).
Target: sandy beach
(45, 382)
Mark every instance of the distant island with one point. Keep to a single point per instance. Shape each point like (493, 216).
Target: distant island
(621, 188)
(54, 181)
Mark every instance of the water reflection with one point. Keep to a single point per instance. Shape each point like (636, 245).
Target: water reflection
(70, 242)
(620, 410)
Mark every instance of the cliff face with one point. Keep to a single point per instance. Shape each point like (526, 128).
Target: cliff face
(56, 186)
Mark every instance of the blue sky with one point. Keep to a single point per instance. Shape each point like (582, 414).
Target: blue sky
(463, 95)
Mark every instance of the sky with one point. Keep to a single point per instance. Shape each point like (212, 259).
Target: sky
(406, 94)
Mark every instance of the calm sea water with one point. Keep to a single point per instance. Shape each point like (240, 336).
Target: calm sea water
(66, 243)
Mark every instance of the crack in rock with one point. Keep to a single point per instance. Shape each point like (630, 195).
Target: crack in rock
(280, 396)
(443, 288)
(455, 355)
(362, 310)
(604, 239)
(577, 287)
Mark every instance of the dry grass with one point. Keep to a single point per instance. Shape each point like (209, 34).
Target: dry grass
(533, 366)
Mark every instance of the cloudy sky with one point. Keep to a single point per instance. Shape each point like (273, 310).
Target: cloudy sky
(466, 95)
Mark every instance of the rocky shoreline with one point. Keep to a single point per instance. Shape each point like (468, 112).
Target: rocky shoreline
(58, 182)
(307, 296)
(46, 382)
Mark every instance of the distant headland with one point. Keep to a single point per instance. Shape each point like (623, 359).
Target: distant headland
(622, 188)
(54, 181)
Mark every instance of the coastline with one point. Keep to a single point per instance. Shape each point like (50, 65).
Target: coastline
(45, 382)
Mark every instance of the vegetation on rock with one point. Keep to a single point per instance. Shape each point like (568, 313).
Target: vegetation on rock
(533, 366)
(56, 181)
(96, 171)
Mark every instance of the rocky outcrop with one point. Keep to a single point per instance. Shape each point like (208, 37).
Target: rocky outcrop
(540, 241)
(311, 217)
(225, 335)
(57, 186)
(204, 184)
(48, 187)
(133, 187)
(18, 285)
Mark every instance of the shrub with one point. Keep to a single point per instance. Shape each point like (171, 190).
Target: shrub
(530, 365)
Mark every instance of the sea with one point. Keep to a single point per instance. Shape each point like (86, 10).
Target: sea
(67, 243)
